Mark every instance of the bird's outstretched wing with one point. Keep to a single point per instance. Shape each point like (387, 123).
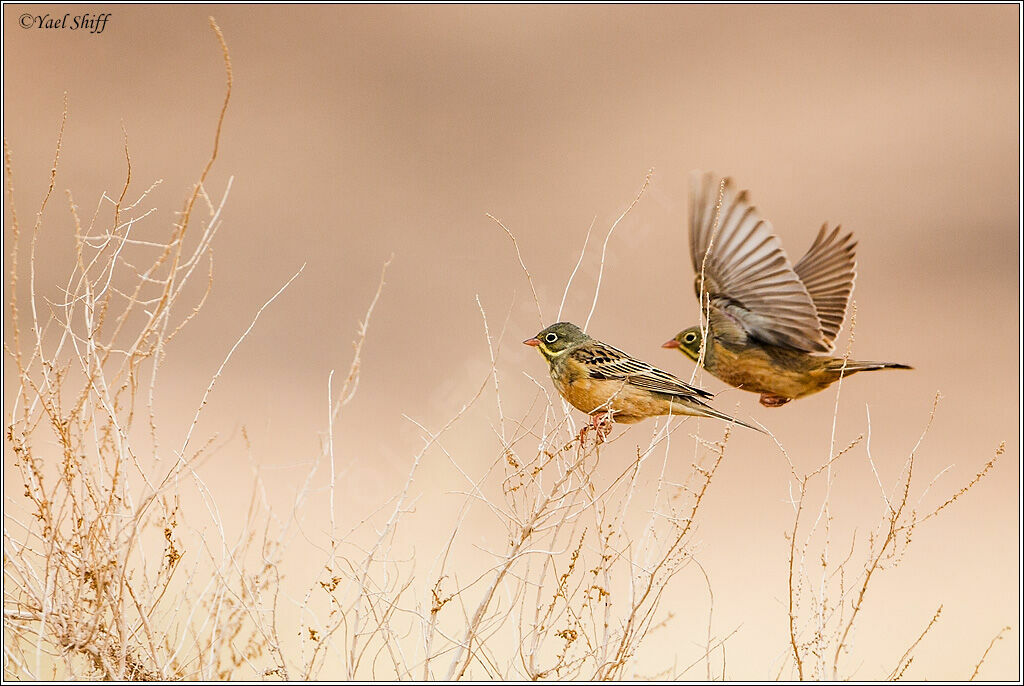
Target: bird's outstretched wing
(605, 362)
(827, 272)
(752, 288)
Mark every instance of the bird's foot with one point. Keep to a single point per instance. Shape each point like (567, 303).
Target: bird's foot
(602, 424)
(769, 400)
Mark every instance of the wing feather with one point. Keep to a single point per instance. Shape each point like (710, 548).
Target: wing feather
(747, 274)
(606, 362)
(828, 271)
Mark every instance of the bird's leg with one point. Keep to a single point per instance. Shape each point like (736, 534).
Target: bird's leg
(602, 423)
(583, 433)
(770, 400)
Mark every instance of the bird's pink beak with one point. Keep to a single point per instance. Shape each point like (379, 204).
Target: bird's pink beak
(532, 342)
(670, 344)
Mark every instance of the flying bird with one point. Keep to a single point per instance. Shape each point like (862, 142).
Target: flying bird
(770, 324)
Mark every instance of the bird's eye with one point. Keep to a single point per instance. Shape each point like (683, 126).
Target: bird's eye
(690, 337)
(551, 337)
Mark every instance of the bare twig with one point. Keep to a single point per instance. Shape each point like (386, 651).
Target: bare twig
(984, 655)
(519, 256)
(604, 246)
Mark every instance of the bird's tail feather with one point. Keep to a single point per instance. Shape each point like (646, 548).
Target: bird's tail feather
(865, 366)
(698, 409)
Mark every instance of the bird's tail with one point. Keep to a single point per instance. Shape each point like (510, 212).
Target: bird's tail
(695, 408)
(865, 366)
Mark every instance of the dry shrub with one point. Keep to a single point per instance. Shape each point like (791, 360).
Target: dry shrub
(96, 578)
(827, 590)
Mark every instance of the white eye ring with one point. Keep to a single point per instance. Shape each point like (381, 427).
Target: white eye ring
(689, 338)
(551, 337)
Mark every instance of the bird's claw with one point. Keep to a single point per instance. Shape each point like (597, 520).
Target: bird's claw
(601, 423)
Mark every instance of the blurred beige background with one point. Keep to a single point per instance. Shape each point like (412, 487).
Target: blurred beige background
(355, 133)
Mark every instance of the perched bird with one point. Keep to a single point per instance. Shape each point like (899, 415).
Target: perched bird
(605, 382)
(766, 318)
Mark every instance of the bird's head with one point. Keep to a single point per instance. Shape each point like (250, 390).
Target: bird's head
(688, 342)
(556, 339)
